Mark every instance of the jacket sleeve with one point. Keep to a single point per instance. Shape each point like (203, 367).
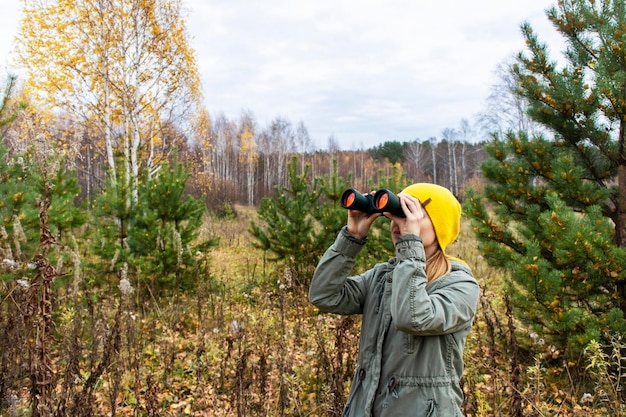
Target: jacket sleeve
(332, 290)
(448, 305)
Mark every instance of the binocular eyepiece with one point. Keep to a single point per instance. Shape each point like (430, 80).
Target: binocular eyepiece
(382, 200)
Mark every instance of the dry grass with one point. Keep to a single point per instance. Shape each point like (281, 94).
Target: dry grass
(247, 344)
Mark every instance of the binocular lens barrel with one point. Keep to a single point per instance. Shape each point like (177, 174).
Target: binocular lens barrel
(353, 200)
(386, 201)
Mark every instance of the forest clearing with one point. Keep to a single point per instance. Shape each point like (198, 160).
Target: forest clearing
(246, 342)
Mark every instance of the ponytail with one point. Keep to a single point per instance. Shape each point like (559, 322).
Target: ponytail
(437, 266)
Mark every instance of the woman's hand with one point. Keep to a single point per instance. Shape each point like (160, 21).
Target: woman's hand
(414, 212)
(359, 223)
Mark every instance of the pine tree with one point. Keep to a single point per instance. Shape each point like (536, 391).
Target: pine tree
(16, 189)
(19, 216)
(167, 223)
(555, 209)
(289, 232)
(65, 213)
(24, 179)
(303, 219)
(155, 238)
(9, 110)
(112, 214)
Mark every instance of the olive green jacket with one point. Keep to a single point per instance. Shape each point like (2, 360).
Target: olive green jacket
(412, 334)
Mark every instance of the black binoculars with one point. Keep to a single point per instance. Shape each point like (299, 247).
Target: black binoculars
(382, 200)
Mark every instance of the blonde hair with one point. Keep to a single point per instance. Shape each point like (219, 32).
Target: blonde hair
(437, 265)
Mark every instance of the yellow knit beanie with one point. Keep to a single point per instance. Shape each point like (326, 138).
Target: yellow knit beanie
(443, 209)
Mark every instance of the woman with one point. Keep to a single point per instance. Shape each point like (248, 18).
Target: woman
(417, 308)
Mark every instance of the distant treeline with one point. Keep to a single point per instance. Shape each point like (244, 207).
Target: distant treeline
(234, 161)
(233, 175)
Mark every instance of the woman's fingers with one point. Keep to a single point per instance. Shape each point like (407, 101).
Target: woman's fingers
(411, 205)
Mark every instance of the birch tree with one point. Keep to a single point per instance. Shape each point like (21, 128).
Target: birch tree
(123, 65)
(414, 157)
(433, 157)
(303, 143)
(505, 109)
(449, 137)
(248, 156)
(276, 142)
(225, 149)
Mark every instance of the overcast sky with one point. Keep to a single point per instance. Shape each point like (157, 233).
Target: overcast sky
(361, 71)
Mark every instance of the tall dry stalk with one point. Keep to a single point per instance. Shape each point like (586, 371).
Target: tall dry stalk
(39, 318)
